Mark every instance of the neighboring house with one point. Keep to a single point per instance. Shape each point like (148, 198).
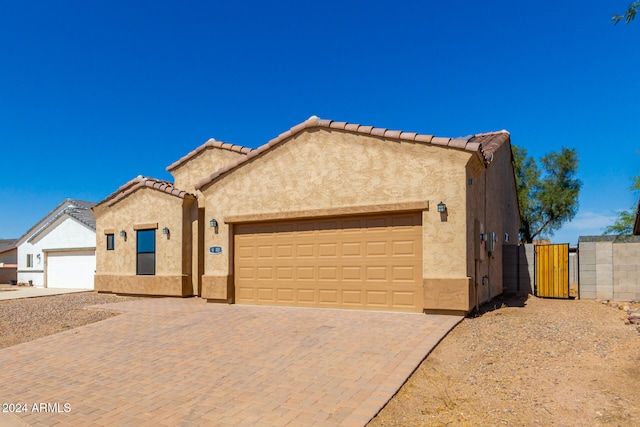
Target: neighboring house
(8, 261)
(328, 214)
(59, 251)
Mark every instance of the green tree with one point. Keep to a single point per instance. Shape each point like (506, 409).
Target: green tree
(629, 15)
(626, 219)
(549, 197)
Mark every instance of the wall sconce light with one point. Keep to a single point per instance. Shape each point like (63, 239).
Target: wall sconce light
(123, 234)
(167, 232)
(39, 257)
(213, 223)
(442, 208)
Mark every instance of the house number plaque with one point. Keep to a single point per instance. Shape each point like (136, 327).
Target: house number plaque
(215, 250)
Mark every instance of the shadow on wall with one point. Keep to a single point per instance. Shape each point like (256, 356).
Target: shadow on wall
(517, 269)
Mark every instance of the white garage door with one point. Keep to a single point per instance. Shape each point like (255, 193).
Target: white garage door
(71, 269)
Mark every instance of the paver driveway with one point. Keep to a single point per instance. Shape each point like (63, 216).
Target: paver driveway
(185, 362)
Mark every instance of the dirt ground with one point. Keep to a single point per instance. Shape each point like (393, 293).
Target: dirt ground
(528, 361)
(519, 361)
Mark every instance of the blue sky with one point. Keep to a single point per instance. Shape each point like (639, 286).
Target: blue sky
(93, 94)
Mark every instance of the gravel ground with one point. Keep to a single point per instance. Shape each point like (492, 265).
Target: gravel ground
(528, 362)
(27, 319)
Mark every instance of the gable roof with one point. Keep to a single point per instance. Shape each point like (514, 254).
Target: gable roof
(484, 144)
(7, 245)
(79, 210)
(211, 143)
(144, 182)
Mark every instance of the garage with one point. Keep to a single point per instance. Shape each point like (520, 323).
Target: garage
(71, 269)
(364, 262)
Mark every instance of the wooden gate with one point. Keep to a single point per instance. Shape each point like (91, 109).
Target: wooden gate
(552, 271)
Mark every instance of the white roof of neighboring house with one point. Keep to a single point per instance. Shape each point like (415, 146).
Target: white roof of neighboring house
(79, 210)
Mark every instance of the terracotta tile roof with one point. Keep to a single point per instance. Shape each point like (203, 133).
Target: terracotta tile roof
(143, 181)
(483, 144)
(212, 143)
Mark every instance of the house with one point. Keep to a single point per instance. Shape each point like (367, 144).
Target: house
(327, 214)
(59, 251)
(8, 261)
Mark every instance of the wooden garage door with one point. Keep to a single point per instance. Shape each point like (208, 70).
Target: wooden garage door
(369, 262)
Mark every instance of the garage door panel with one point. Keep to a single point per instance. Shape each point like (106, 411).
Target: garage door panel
(370, 262)
(404, 274)
(285, 295)
(351, 249)
(284, 273)
(328, 296)
(352, 273)
(326, 250)
(403, 299)
(305, 250)
(377, 249)
(377, 298)
(265, 273)
(307, 296)
(327, 273)
(284, 251)
(245, 294)
(375, 273)
(403, 248)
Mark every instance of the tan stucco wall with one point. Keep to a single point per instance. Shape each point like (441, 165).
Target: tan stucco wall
(493, 207)
(325, 169)
(201, 166)
(116, 270)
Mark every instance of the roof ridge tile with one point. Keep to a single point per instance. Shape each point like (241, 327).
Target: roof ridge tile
(140, 182)
(211, 143)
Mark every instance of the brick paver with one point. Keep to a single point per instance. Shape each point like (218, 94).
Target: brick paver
(174, 361)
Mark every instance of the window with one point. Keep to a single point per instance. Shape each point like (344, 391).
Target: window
(110, 242)
(29, 260)
(146, 252)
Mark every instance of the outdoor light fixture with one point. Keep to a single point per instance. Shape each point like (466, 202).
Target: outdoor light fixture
(442, 208)
(213, 223)
(123, 233)
(165, 230)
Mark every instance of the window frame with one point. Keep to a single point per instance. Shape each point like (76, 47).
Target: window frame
(111, 241)
(145, 252)
(29, 260)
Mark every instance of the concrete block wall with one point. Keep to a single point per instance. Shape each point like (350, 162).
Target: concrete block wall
(608, 267)
(587, 270)
(626, 276)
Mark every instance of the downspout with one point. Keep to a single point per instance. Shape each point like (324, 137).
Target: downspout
(486, 172)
